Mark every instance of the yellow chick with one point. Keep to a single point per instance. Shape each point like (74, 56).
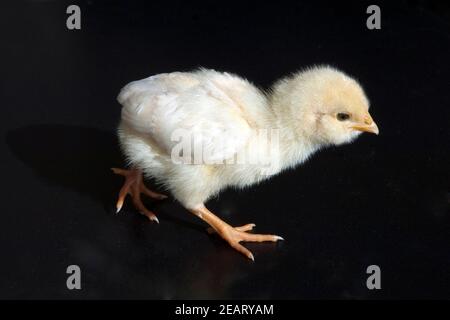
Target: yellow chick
(199, 132)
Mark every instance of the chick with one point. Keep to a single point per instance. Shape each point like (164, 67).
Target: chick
(223, 115)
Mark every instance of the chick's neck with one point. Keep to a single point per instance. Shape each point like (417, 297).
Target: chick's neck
(297, 136)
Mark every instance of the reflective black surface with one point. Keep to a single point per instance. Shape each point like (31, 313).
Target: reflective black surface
(383, 200)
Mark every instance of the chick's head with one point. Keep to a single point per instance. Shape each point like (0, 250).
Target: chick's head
(325, 105)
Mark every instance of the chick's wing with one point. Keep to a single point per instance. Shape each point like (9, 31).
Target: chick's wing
(184, 107)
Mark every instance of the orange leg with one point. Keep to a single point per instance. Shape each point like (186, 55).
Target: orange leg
(134, 186)
(233, 235)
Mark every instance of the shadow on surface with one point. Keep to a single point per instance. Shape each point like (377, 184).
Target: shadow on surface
(78, 158)
(74, 157)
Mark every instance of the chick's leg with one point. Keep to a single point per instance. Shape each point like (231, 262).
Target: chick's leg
(233, 235)
(134, 186)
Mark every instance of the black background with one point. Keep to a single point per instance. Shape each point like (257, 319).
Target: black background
(382, 200)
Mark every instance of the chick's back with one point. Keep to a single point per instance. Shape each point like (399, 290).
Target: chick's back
(219, 111)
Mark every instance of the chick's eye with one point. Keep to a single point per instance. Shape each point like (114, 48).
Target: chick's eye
(342, 116)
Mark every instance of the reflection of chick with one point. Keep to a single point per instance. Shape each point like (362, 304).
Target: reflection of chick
(225, 114)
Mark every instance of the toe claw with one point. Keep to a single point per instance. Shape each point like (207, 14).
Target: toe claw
(155, 218)
(160, 197)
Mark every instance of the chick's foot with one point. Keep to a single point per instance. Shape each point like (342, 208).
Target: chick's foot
(134, 186)
(234, 235)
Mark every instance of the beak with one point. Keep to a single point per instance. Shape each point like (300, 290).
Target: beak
(368, 126)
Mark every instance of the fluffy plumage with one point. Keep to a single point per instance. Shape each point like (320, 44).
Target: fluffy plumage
(226, 113)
